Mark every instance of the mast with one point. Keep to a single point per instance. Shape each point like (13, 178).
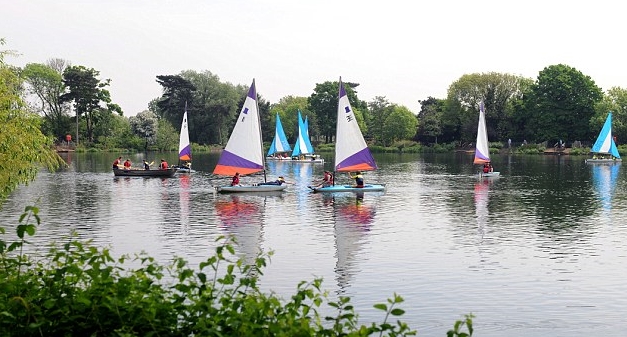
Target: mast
(337, 118)
(263, 158)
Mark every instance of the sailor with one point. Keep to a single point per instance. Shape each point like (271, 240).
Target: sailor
(359, 179)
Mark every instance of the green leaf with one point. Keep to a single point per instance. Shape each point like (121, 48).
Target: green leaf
(381, 306)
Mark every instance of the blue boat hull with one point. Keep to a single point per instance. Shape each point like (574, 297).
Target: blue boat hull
(348, 188)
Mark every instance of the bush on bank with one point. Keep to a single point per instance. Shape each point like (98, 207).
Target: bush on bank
(81, 290)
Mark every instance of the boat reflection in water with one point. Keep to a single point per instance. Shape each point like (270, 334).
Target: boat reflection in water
(482, 190)
(184, 194)
(241, 216)
(604, 178)
(353, 220)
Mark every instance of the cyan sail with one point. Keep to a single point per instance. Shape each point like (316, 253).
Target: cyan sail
(302, 140)
(307, 139)
(279, 143)
(605, 142)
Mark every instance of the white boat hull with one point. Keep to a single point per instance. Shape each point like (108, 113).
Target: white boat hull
(250, 188)
(290, 160)
(315, 161)
(489, 174)
(603, 161)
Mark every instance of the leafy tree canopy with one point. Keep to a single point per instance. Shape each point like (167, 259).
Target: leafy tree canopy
(288, 108)
(23, 148)
(323, 102)
(400, 124)
(561, 103)
(45, 82)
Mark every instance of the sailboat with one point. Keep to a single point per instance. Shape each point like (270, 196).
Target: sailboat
(185, 148)
(482, 151)
(243, 153)
(303, 150)
(351, 151)
(279, 145)
(604, 149)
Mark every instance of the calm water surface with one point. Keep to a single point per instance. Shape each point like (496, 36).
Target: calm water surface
(540, 251)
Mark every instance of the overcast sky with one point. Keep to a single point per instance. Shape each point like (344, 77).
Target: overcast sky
(405, 50)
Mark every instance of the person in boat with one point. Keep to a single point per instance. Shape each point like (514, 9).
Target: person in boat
(327, 179)
(127, 164)
(163, 165)
(487, 167)
(117, 162)
(280, 181)
(146, 165)
(235, 180)
(359, 179)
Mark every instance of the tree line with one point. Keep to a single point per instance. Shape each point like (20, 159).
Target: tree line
(560, 104)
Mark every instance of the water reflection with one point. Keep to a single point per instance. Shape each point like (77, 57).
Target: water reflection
(482, 189)
(242, 218)
(604, 178)
(353, 220)
(539, 250)
(184, 195)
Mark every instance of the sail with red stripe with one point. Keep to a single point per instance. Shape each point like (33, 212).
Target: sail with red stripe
(351, 150)
(185, 148)
(243, 153)
(482, 151)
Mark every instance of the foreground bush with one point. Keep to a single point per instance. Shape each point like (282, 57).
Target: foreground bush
(80, 290)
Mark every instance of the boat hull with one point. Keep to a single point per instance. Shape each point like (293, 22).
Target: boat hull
(604, 161)
(251, 188)
(348, 188)
(182, 169)
(289, 160)
(145, 173)
(309, 161)
(490, 174)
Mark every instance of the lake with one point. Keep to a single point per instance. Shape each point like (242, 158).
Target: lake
(540, 251)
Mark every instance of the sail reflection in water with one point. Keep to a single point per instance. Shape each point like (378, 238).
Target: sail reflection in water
(184, 199)
(353, 220)
(242, 218)
(604, 178)
(482, 190)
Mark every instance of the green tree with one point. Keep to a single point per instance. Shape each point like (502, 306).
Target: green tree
(614, 100)
(114, 131)
(177, 93)
(380, 109)
(429, 119)
(287, 108)
(167, 136)
(496, 91)
(561, 104)
(87, 93)
(23, 148)
(145, 125)
(212, 105)
(45, 81)
(399, 125)
(323, 103)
